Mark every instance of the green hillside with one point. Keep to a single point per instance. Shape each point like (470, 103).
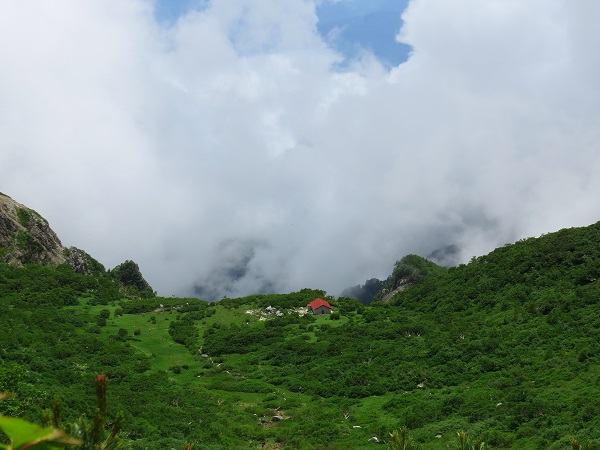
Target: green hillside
(504, 348)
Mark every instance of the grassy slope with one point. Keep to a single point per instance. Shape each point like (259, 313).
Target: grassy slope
(220, 376)
(213, 374)
(223, 376)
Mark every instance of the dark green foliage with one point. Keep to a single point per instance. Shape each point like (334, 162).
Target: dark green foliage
(414, 269)
(105, 291)
(505, 347)
(40, 285)
(487, 332)
(24, 216)
(184, 331)
(410, 270)
(349, 305)
(236, 339)
(28, 245)
(364, 293)
(128, 274)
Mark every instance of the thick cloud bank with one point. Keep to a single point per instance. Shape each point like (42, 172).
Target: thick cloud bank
(226, 152)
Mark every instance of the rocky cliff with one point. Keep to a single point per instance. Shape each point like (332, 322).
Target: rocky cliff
(26, 238)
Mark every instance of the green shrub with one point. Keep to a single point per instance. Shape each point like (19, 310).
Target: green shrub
(24, 216)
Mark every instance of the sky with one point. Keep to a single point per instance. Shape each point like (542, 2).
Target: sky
(232, 147)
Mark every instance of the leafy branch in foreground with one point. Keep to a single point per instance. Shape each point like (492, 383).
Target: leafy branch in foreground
(24, 434)
(86, 434)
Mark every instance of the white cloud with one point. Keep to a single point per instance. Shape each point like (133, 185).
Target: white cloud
(228, 145)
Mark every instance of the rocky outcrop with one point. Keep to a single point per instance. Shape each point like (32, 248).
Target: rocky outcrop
(403, 284)
(26, 238)
(81, 262)
(128, 274)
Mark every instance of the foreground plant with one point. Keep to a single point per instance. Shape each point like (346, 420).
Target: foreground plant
(24, 435)
(465, 443)
(575, 445)
(84, 434)
(401, 441)
(92, 433)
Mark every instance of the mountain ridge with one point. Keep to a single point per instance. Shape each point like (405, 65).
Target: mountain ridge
(27, 238)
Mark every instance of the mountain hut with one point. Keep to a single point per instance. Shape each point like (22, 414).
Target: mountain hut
(319, 306)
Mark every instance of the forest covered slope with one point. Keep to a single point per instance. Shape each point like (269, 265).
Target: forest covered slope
(505, 348)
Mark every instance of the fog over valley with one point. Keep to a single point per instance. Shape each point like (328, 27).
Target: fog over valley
(243, 146)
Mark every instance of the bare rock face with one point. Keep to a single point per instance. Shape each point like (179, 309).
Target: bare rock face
(81, 262)
(26, 238)
(403, 284)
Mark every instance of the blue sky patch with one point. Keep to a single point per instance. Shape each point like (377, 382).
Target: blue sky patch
(349, 26)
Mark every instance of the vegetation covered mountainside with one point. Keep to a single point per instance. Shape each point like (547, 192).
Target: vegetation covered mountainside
(408, 271)
(505, 348)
